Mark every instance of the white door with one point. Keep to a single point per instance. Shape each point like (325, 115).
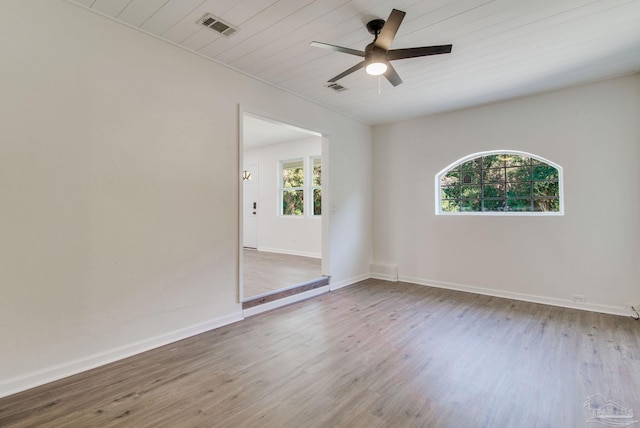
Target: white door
(250, 207)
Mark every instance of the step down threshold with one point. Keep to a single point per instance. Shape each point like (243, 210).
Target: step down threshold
(272, 296)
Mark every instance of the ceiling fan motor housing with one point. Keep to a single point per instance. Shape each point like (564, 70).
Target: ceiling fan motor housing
(373, 53)
(375, 26)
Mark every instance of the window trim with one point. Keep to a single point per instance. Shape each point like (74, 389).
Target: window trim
(438, 178)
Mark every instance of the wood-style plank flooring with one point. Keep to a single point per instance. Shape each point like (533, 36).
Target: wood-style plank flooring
(375, 354)
(265, 272)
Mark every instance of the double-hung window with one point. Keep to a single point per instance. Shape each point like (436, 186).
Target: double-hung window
(301, 186)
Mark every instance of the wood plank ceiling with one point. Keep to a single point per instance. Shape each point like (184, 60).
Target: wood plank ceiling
(501, 48)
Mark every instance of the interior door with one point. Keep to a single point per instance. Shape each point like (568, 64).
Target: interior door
(250, 207)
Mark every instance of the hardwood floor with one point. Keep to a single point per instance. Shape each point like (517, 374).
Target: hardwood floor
(265, 272)
(375, 354)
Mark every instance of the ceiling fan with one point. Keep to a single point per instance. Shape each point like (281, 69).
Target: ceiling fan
(377, 55)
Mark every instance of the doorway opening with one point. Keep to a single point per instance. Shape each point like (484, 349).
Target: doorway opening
(281, 214)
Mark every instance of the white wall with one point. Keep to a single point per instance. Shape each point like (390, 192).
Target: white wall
(592, 131)
(285, 234)
(119, 183)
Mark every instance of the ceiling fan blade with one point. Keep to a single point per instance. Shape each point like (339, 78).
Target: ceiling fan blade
(416, 52)
(389, 30)
(347, 72)
(337, 48)
(392, 75)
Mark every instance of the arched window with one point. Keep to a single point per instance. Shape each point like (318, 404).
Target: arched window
(500, 182)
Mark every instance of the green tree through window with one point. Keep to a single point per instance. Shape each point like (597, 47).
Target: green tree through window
(316, 185)
(503, 182)
(293, 187)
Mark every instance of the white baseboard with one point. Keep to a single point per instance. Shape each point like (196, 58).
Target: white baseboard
(391, 278)
(593, 307)
(337, 285)
(290, 252)
(285, 301)
(388, 273)
(41, 377)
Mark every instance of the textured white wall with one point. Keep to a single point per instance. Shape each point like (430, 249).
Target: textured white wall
(291, 235)
(592, 131)
(119, 189)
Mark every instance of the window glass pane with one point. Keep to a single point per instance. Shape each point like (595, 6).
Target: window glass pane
(545, 173)
(492, 161)
(317, 201)
(450, 192)
(450, 205)
(518, 190)
(544, 205)
(516, 160)
(494, 175)
(493, 190)
(545, 188)
(293, 202)
(452, 177)
(522, 173)
(519, 204)
(473, 164)
(292, 174)
(470, 191)
(317, 172)
(494, 204)
(470, 205)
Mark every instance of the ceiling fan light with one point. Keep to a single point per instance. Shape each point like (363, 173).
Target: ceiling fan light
(376, 68)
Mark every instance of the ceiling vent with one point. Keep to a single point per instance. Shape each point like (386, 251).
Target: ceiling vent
(217, 25)
(336, 87)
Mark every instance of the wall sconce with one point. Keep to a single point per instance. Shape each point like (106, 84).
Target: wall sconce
(246, 175)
